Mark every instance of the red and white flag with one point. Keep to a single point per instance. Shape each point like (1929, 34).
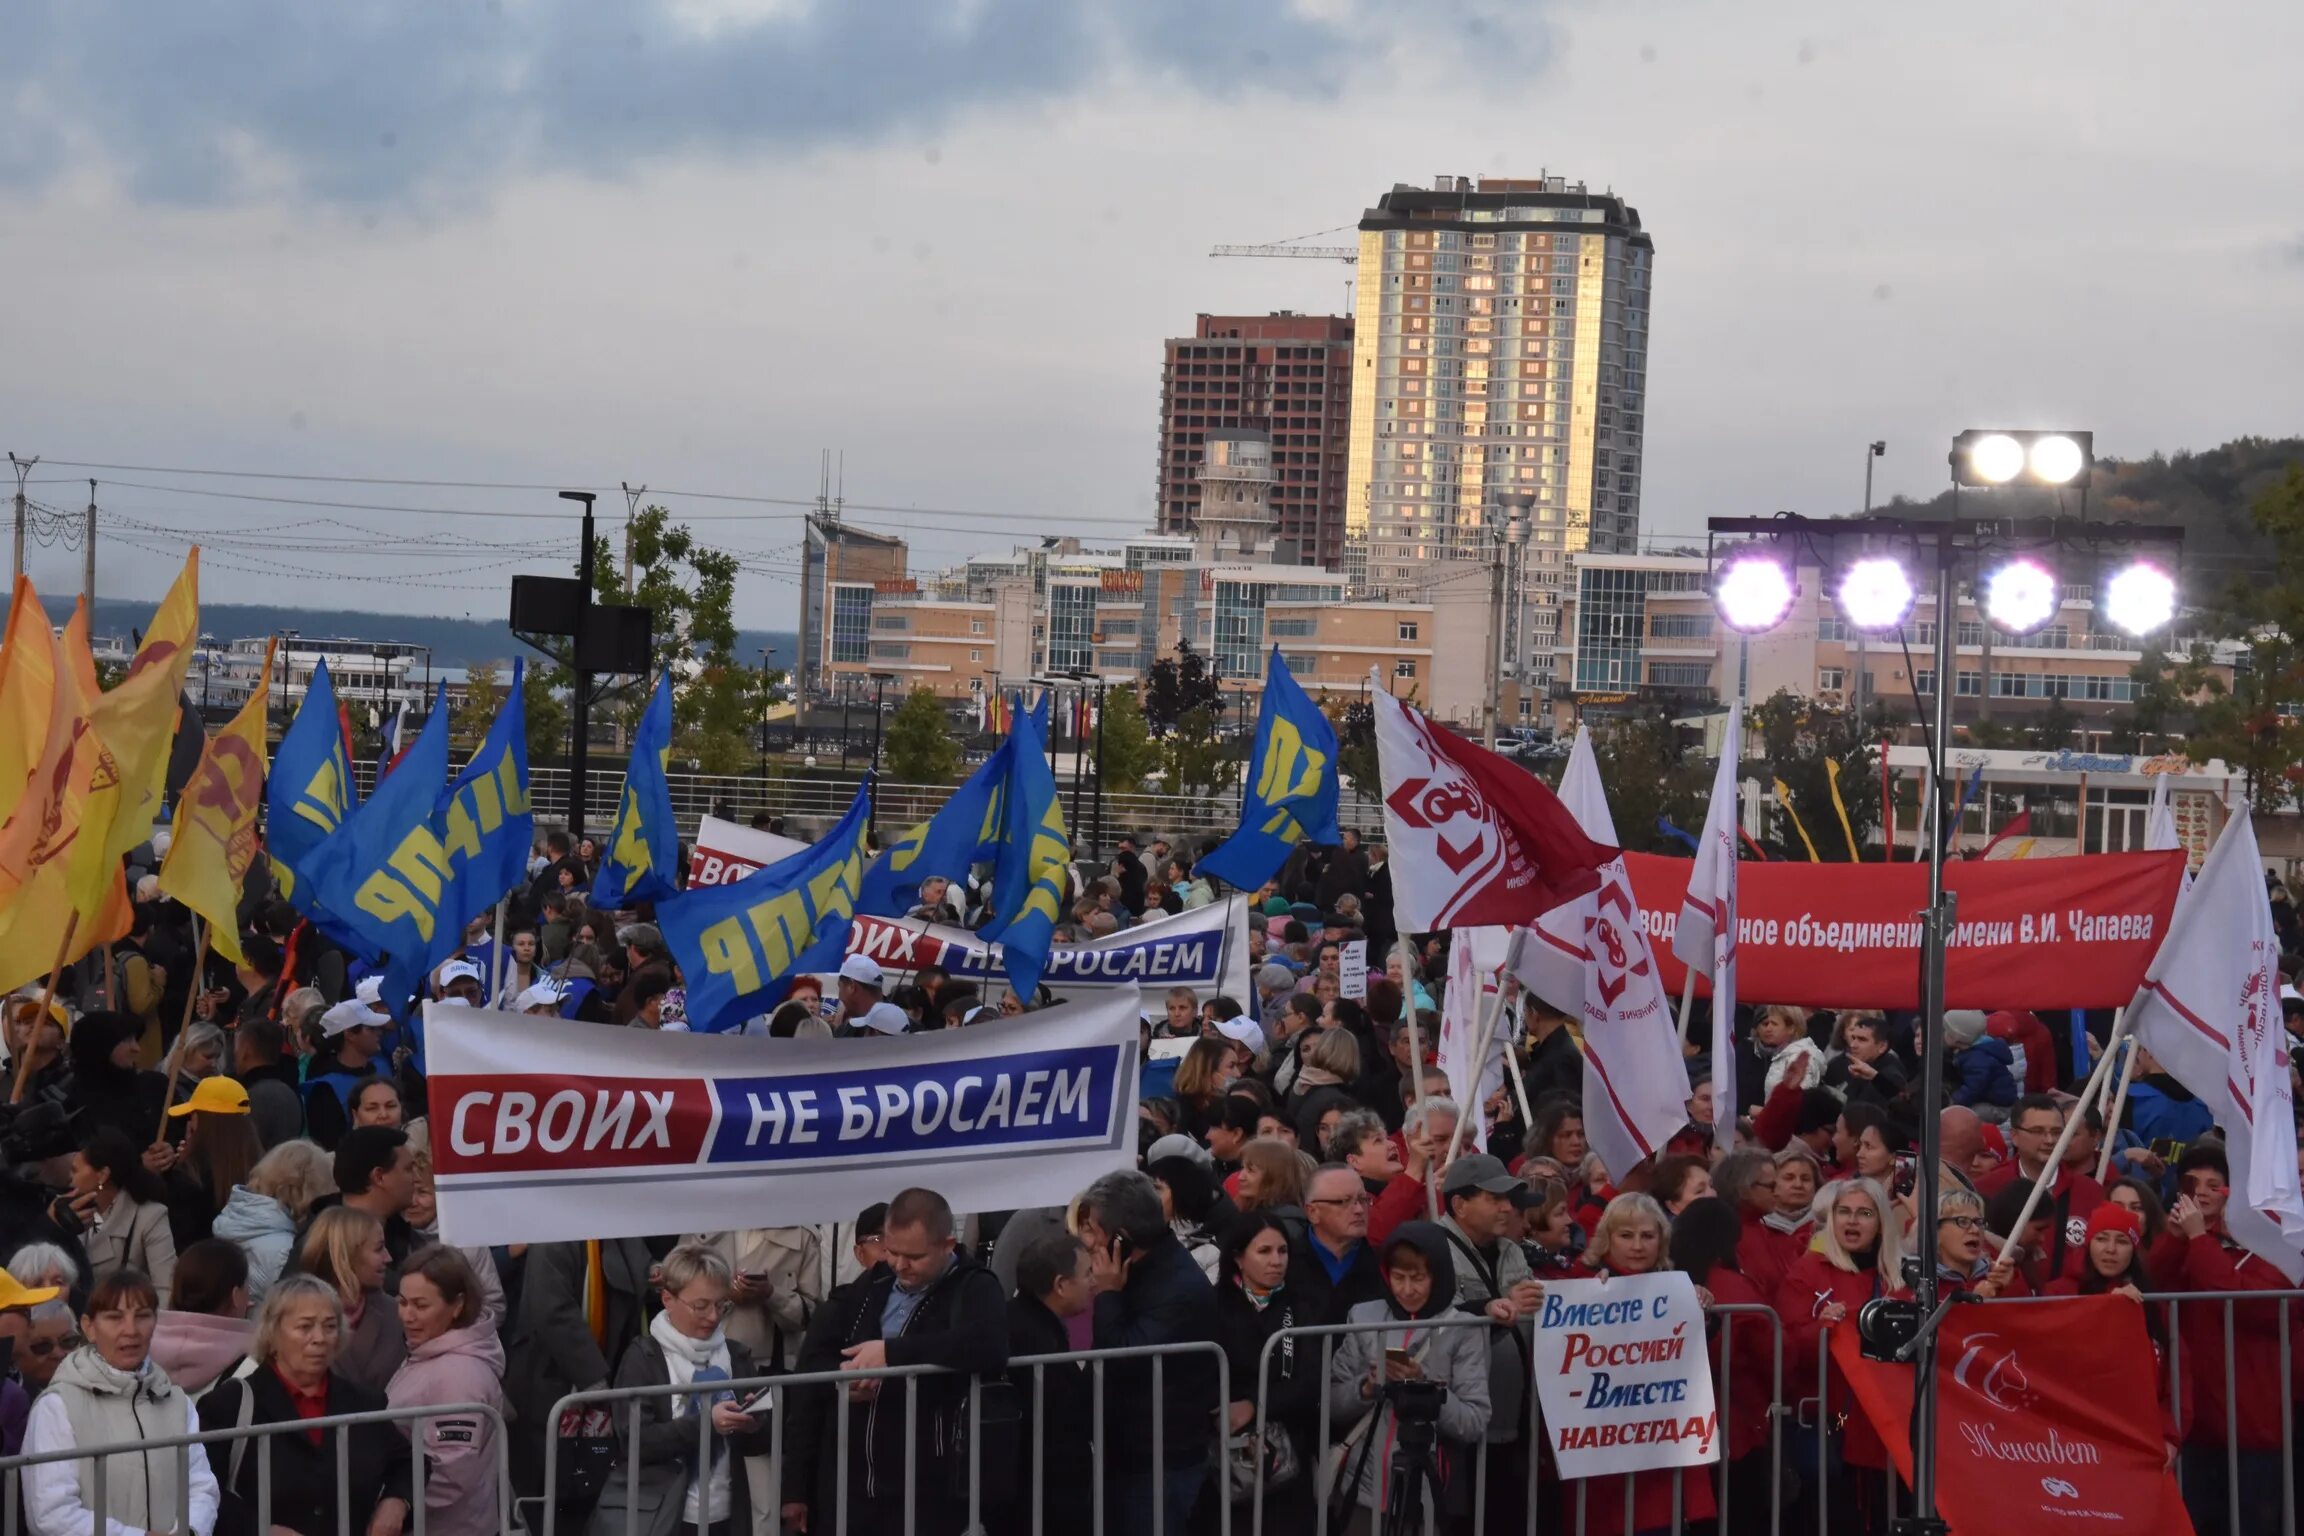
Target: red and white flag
(1476, 961)
(1475, 839)
(1705, 937)
(2209, 1010)
(1592, 959)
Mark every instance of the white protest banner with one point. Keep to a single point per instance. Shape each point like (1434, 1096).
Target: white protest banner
(1352, 970)
(1622, 1376)
(1205, 949)
(547, 1130)
(727, 851)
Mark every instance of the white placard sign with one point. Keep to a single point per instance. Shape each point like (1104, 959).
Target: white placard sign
(1623, 1377)
(1352, 970)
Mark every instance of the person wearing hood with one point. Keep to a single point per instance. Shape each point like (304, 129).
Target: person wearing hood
(453, 1357)
(262, 1215)
(110, 1392)
(204, 1333)
(1420, 1288)
(1983, 1069)
(107, 1088)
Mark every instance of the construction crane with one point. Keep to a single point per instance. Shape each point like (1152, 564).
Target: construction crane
(1293, 250)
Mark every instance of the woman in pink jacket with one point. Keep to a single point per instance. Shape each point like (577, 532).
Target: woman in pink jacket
(452, 1358)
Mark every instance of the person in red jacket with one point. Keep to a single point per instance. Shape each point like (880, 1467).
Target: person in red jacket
(2034, 1126)
(2116, 1267)
(1632, 1238)
(1775, 1237)
(2197, 1253)
(1858, 1258)
(1361, 1143)
(2029, 1039)
(1706, 1237)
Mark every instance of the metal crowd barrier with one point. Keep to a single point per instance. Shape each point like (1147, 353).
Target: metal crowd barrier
(11, 1467)
(776, 1387)
(1532, 1427)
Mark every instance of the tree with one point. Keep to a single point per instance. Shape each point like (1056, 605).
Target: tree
(1794, 740)
(1649, 773)
(1354, 720)
(1125, 749)
(1178, 685)
(547, 715)
(1193, 758)
(919, 741)
(468, 722)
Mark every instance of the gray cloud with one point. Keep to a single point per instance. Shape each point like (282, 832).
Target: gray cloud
(381, 101)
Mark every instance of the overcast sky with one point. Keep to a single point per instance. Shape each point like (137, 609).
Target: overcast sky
(693, 243)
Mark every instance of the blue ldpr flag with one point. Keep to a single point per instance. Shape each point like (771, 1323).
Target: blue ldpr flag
(1664, 825)
(310, 793)
(1030, 879)
(966, 829)
(342, 866)
(740, 945)
(1292, 785)
(643, 857)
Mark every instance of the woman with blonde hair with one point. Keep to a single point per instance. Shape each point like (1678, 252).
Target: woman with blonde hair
(1858, 1257)
(1271, 1176)
(346, 1248)
(262, 1214)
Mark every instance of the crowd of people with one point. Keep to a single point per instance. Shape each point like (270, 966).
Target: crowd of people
(220, 1213)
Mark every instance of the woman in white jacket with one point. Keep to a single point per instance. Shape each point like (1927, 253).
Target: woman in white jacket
(1421, 1279)
(108, 1392)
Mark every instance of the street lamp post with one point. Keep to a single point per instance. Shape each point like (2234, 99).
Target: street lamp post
(767, 671)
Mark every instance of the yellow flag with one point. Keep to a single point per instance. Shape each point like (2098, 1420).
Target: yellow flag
(1784, 799)
(44, 914)
(1832, 772)
(137, 720)
(215, 836)
(27, 689)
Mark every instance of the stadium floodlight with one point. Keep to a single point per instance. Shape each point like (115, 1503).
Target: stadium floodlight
(1875, 595)
(1989, 456)
(2020, 596)
(2140, 598)
(1754, 592)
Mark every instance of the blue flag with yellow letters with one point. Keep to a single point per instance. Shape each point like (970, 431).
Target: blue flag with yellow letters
(968, 827)
(1031, 877)
(416, 864)
(1292, 785)
(740, 945)
(310, 791)
(643, 855)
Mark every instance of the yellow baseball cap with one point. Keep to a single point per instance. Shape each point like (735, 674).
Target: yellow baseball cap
(14, 1294)
(214, 1096)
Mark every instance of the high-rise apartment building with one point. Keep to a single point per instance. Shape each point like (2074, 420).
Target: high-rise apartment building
(1287, 374)
(1500, 346)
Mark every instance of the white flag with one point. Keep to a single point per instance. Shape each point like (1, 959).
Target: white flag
(1591, 958)
(1705, 937)
(2160, 824)
(2209, 1010)
(1476, 959)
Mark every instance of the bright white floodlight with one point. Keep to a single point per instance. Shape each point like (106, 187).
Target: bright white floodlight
(1875, 595)
(2020, 597)
(2140, 598)
(2056, 459)
(1753, 593)
(1997, 458)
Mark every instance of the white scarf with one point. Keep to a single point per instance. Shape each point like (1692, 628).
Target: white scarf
(687, 1355)
(1784, 1223)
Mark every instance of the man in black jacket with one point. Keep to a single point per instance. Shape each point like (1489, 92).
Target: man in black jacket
(1149, 1291)
(925, 1303)
(1053, 1284)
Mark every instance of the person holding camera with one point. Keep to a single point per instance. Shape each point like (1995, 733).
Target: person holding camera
(1419, 1393)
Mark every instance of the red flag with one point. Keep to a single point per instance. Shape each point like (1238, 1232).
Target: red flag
(2019, 825)
(1475, 839)
(2043, 1419)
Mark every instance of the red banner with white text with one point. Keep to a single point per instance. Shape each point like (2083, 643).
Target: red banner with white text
(2045, 1418)
(2031, 933)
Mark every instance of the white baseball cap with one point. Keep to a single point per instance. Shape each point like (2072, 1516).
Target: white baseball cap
(1245, 1030)
(884, 1018)
(545, 994)
(862, 970)
(370, 990)
(460, 970)
(352, 1014)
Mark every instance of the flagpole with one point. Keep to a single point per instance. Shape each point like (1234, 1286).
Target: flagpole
(47, 996)
(496, 958)
(1687, 998)
(2055, 1161)
(1491, 1010)
(1415, 1095)
(2120, 1100)
(176, 1050)
(1519, 1084)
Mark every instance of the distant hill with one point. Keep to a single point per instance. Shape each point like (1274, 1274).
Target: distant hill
(454, 642)
(2208, 493)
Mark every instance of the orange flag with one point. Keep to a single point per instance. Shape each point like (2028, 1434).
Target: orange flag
(215, 834)
(27, 689)
(136, 721)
